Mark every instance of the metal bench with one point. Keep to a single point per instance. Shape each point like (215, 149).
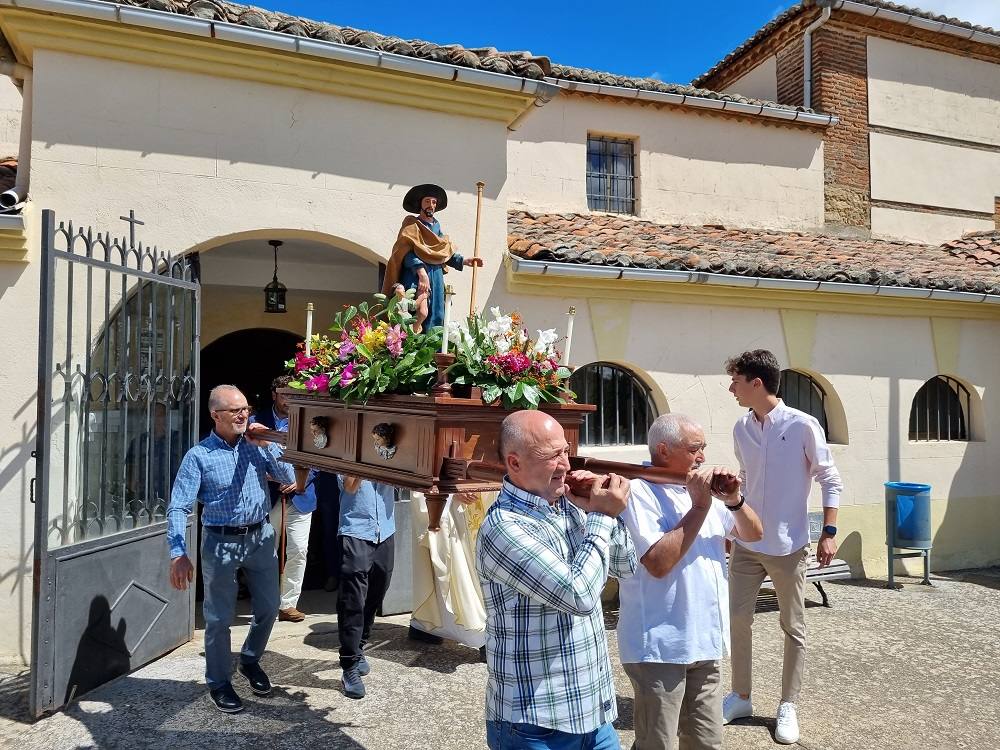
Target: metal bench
(837, 569)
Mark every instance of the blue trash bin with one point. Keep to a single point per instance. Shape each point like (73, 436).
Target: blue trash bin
(908, 523)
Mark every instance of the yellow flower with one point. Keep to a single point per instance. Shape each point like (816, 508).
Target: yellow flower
(374, 339)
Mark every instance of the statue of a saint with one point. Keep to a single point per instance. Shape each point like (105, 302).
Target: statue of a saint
(421, 255)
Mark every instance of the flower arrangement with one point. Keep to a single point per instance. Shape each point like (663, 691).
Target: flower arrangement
(373, 350)
(509, 366)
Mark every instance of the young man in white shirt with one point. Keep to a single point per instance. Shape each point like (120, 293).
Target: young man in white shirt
(781, 452)
(674, 623)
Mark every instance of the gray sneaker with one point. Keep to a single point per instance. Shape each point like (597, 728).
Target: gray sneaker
(353, 686)
(363, 666)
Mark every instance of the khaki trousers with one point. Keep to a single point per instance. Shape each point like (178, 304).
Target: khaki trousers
(747, 571)
(677, 701)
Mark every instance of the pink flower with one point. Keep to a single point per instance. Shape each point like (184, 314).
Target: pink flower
(319, 382)
(302, 362)
(347, 375)
(347, 348)
(394, 338)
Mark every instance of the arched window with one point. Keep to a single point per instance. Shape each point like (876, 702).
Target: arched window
(802, 392)
(624, 405)
(940, 410)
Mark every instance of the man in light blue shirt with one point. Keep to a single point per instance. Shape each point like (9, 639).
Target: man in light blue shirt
(291, 513)
(367, 543)
(227, 473)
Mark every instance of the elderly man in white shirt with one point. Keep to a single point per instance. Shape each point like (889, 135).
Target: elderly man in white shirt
(674, 623)
(781, 452)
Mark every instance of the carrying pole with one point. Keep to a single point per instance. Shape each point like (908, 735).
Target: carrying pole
(475, 248)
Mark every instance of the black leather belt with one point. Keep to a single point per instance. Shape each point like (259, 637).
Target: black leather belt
(235, 530)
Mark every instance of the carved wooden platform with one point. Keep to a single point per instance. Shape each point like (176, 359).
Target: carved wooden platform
(425, 431)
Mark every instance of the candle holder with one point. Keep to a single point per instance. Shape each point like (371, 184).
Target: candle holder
(443, 361)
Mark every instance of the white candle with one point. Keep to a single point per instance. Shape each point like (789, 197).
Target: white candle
(569, 335)
(309, 326)
(448, 292)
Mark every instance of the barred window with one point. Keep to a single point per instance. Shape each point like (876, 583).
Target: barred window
(624, 405)
(802, 392)
(611, 174)
(940, 410)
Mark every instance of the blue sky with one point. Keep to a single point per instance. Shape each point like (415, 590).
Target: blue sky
(674, 40)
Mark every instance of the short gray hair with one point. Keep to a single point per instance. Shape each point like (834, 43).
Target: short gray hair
(512, 436)
(215, 395)
(669, 429)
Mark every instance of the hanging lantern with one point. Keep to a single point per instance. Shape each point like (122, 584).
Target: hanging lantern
(274, 293)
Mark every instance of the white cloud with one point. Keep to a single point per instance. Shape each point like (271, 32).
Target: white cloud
(982, 12)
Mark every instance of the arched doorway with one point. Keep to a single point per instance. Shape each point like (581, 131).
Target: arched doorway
(248, 359)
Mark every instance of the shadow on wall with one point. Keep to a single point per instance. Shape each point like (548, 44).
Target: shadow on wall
(16, 475)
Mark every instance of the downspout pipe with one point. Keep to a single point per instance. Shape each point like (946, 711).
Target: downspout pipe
(14, 197)
(807, 49)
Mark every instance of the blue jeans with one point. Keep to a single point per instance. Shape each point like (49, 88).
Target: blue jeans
(503, 735)
(221, 556)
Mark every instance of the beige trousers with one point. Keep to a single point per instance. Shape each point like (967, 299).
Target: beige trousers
(677, 702)
(747, 571)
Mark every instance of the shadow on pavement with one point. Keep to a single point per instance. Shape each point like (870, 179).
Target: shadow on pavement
(389, 641)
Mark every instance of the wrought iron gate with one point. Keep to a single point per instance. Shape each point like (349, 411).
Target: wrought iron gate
(117, 409)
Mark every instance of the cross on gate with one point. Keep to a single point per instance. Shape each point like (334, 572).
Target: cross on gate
(132, 221)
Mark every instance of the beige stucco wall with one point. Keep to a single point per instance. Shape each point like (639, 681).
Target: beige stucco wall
(692, 168)
(874, 366)
(760, 82)
(204, 161)
(933, 174)
(921, 226)
(10, 117)
(927, 91)
(225, 309)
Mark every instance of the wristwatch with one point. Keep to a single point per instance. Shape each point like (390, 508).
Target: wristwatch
(734, 508)
(830, 530)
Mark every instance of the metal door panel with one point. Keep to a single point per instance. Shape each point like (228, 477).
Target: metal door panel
(117, 408)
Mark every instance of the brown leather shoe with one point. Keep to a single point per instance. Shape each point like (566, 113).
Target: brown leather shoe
(290, 615)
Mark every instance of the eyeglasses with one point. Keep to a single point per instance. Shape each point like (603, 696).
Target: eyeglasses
(233, 412)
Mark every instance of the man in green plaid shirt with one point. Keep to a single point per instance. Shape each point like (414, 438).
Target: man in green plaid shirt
(543, 557)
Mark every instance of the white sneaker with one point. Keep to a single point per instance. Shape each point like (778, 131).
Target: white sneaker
(734, 707)
(787, 730)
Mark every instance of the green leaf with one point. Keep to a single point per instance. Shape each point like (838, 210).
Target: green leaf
(297, 385)
(380, 297)
(530, 393)
(363, 308)
(563, 373)
(491, 393)
(364, 351)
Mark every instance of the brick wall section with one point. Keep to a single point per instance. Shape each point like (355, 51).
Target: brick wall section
(996, 213)
(840, 85)
(789, 59)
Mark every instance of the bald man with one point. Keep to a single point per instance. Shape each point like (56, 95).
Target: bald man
(543, 557)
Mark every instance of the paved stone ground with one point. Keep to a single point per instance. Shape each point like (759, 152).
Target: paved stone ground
(905, 669)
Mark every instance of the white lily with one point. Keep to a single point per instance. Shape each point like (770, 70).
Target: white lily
(546, 339)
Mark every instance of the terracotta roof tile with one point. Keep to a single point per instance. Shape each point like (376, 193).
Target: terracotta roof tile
(970, 264)
(522, 64)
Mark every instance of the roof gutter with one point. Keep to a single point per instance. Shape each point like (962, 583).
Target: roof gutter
(910, 19)
(807, 53)
(760, 109)
(571, 270)
(231, 32)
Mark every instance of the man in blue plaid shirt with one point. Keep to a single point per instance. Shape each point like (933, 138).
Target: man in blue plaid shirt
(227, 473)
(543, 557)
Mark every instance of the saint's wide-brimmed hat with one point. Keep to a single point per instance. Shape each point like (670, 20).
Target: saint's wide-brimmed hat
(411, 202)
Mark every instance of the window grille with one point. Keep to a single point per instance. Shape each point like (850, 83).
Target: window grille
(940, 410)
(624, 405)
(802, 392)
(611, 174)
